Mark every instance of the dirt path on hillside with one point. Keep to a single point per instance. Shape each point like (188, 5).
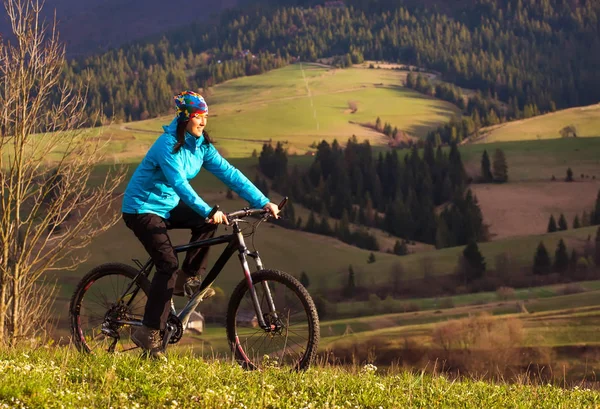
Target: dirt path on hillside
(129, 128)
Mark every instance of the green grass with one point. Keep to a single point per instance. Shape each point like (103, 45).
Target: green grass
(574, 317)
(282, 106)
(585, 119)
(539, 160)
(554, 320)
(537, 298)
(60, 377)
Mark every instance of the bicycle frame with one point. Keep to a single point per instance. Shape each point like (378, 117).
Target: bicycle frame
(235, 242)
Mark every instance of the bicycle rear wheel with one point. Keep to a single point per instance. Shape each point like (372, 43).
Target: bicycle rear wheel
(292, 334)
(99, 303)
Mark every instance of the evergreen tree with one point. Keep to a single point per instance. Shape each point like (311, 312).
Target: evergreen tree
(456, 170)
(344, 228)
(576, 223)
(304, 279)
(288, 216)
(595, 216)
(597, 255)
(573, 260)
(475, 264)
(500, 166)
(429, 155)
(561, 258)
(350, 288)
(410, 80)
(562, 223)
(486, 171)
(400, 248)
(585, 219)
(443, 238)
(552, 225)
(378, 124)
(324, 227)
(569, 177)
(311, 224)
(541, 262)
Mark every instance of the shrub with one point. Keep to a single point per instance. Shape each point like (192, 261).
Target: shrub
(447, 303)
(505, 293)
(410, 307)
(572, 288)
(480, 344)
(374, 302)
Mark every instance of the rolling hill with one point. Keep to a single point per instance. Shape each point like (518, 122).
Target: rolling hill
(586, 120)
(298, 105)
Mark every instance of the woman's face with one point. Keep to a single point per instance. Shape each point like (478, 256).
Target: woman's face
(196, 125)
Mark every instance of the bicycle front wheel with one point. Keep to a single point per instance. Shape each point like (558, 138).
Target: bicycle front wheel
(291, 334)
(100, 310)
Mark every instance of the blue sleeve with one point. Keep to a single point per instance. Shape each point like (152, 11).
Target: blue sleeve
(172, 168)
(232, 177)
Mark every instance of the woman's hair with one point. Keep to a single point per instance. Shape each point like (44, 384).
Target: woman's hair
(181, 126)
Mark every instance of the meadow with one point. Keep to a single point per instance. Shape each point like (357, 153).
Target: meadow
(57, 378)
(298, 105)
(585, 119)
(535, 160)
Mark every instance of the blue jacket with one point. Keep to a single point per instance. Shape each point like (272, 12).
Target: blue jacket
(162, 178)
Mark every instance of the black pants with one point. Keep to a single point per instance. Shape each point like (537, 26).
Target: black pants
(151, 230)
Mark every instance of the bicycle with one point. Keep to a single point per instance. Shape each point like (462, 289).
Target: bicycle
(258, 320)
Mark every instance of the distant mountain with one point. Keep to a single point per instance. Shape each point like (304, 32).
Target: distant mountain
(92, 26)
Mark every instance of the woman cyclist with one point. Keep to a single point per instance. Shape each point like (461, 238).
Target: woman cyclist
(159, 198)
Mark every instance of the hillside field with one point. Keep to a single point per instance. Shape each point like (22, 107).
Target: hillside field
(523, 205)
(521, 209)
(540, 160)
(586, 120)
(299, 104)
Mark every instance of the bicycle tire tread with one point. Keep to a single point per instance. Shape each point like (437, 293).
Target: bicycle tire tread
(80, 290)
(305, 298)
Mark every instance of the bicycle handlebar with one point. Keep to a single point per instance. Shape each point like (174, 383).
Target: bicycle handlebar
(246, 212)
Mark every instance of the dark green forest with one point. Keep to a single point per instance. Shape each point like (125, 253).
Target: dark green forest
(534, 55)
(395, 192)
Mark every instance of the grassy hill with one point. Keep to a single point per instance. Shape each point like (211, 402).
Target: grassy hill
(299, 104)
(59, 378)
(524, 205)
(585, 119)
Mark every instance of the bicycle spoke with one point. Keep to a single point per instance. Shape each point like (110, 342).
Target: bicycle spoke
(287, 335)
(99, 314)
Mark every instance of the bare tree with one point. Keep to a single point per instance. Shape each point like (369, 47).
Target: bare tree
(53, 201)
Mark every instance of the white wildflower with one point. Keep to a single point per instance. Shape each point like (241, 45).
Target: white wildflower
(369, 368)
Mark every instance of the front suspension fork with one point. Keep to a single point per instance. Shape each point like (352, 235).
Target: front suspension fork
(243, 252)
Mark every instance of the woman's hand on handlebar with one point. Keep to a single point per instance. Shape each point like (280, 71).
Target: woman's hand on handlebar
(273, 209)
(219, 218)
